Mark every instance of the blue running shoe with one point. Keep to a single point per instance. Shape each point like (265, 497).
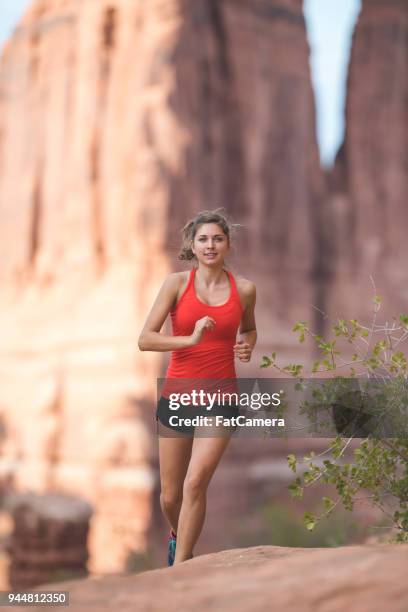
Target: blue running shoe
(172, 547)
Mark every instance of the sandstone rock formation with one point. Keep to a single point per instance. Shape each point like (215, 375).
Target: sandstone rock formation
(49, 539)
(72, 382)
(352, 578)
(370, 181)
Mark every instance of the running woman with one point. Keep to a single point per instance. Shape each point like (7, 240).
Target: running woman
(208, 306)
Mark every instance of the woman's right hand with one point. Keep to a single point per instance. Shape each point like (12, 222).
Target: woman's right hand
(200, 326)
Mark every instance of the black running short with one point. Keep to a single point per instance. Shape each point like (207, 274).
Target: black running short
(164, 413)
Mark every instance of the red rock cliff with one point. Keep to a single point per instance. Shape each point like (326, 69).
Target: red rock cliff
(371, 169)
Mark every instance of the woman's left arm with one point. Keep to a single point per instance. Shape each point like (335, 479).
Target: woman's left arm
(247, 330)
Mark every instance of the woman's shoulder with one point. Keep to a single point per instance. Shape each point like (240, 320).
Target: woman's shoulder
(176, 282)
(176, 278)
(245, 286)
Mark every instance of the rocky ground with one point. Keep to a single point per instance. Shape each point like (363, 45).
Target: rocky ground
(353, 578)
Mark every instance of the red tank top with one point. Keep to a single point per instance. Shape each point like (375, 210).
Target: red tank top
(213, 356)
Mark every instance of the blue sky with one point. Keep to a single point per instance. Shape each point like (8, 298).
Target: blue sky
(10, 13)
(329, 23)
(330, 26)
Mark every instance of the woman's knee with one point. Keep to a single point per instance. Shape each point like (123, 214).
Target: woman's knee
(171, 498)
(195, 485)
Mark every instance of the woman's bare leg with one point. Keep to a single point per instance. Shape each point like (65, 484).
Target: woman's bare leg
(174, 456)
(206, 454)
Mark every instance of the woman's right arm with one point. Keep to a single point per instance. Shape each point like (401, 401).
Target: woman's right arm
(151, 339)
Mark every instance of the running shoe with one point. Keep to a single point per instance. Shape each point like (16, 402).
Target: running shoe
(171, 547)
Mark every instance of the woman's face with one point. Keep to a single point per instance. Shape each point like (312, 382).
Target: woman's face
(210, 244)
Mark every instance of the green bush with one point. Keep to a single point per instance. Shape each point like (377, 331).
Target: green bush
(379, 466)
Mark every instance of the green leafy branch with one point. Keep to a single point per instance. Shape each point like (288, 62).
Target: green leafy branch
(378, 466)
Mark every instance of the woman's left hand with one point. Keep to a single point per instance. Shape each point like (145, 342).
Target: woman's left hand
(242, 350)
